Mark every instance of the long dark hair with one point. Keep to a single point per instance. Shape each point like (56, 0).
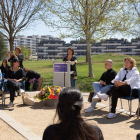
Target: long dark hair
(72, 126)
(5, 61)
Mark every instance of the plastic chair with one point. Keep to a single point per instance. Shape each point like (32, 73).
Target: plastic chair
(5, 90)
(129, 98)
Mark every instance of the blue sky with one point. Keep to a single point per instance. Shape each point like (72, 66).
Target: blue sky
(39, 28)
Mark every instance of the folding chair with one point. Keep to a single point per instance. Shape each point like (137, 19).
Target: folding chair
(129, 98)
(5, 90)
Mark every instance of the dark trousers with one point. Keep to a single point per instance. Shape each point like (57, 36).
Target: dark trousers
(27, 86)
(117, 92)
(13, 86)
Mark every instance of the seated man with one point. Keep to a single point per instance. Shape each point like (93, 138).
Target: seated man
(15, 76)
(103, 85)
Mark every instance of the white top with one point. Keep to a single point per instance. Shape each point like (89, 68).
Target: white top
(132, 77)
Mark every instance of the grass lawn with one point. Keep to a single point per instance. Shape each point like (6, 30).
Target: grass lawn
(84, 83)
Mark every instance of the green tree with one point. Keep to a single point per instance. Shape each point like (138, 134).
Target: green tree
(133, 10)
(26, 51)
(3, 48)
(89, 19)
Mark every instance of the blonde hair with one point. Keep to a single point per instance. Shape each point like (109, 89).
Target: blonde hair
(131, 60)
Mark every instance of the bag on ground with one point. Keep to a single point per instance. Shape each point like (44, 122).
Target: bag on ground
(27, 99)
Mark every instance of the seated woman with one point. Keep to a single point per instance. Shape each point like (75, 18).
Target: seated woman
(71, 125)
(32, 75)
(128, 78)
(16, 55)
(4, 67)
(15, 76)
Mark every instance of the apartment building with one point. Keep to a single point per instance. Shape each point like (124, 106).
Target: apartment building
(29, 41)
(58, 49)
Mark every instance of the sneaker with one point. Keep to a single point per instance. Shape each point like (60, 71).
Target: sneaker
(103, 96)
(10, 104)
(111, 116)
(90, 109)
(95, 98)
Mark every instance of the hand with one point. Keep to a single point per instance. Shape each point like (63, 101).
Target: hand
(116, 83)
(12, 53)
(15, 80)
(102, 82)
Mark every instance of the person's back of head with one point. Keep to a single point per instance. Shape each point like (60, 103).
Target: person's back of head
(72, 126)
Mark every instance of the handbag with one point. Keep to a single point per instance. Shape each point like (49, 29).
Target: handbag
(137, 112)
(91, 96)
(27, 99)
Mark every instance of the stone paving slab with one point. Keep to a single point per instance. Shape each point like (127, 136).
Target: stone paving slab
(24, 131)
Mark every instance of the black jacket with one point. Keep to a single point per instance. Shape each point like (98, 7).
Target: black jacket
(4, 70)
(108, 76)
(18, 75)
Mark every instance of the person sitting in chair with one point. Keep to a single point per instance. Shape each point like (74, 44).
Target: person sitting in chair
(4, 67)
(128, 78)
(103, 85)
(15, 76)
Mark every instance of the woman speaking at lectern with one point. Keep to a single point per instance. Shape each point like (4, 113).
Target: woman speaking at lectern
(70, 57)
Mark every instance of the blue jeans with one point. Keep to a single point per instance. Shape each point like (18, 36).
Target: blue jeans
(99, 88)
(73, 82)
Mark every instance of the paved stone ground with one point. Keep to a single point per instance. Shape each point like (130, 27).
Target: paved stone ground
(36, 118)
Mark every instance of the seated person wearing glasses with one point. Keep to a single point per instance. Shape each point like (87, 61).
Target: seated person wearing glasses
(128, 78)
(15, 76)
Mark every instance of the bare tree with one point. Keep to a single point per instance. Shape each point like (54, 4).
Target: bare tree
(15, 15)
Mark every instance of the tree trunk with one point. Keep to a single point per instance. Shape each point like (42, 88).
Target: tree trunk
(89, 58)
(87, 54)
(11, 42)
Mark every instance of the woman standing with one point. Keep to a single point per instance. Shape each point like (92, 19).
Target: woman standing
(16, 55)
(4, 67)
(73, 59)
(15, 76)
(32, 76)
(71, 125)
(128, 78)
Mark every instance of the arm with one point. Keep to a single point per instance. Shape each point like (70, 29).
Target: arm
(75, 61)
(118, 76)
(133, 77)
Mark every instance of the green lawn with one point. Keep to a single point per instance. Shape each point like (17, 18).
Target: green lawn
(84, 83)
